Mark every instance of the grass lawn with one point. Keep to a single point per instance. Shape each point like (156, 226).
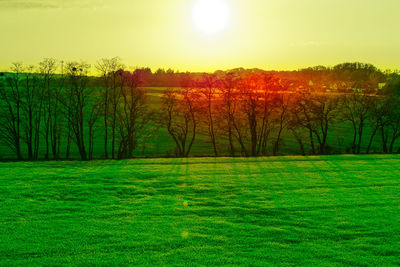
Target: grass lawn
(321, 211)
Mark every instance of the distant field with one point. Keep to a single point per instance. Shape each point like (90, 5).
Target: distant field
(321, 211)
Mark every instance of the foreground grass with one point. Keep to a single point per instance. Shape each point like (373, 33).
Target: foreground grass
(325, 211)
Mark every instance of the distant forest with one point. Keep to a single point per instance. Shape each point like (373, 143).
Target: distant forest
(55, 107)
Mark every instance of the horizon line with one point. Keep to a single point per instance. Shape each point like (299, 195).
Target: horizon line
(177, 70)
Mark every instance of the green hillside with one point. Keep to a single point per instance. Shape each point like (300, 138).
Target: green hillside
(321, 211)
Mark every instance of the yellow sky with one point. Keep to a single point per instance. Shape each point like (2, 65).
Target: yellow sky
(268, 34)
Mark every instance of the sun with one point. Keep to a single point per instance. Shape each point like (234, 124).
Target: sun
(211, 16)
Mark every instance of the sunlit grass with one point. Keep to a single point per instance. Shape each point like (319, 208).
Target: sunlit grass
(326, 211)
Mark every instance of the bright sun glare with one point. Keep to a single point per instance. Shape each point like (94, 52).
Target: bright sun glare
(211, 16)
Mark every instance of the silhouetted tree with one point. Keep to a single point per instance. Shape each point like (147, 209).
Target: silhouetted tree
(47, 69)
(32, 102)
(227, 108)
(109, 71)
(78, 93)
(11, 100)
(316, 112)
(357, 109)
(179, 116)
(132, 113)
(282, 104)
(209, 91)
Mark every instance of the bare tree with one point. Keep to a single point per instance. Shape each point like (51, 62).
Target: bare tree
(78, 93)
(32, 105)
(325, 112)
(316, 112)
(377, 114)
(132, 113)
(47, 70)
(252, 120)
(356, 109)
(11, 100)
(274, 114)
(179, 116)
(250, 108)
(93, 116)
(388, 122)
(303, 117)
(394, 126)
(297, 131)
(109, 71)
(209, 91)
(282, 104)
(227, 109)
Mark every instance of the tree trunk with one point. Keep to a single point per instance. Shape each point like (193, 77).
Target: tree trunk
(360, 135)
(371, 139)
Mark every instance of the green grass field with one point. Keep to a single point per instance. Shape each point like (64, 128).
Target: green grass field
(321, 211)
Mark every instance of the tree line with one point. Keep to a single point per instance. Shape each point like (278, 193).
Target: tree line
(48, 108)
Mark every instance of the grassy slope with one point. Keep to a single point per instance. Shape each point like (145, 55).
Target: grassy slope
(326, 211)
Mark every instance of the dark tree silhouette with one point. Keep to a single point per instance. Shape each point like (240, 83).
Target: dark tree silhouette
(179, 116)
(109, 71)
(132, 113)
(10, 121)
(78, 93)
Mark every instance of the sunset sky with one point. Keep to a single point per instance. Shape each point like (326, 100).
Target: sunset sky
(267, 34)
